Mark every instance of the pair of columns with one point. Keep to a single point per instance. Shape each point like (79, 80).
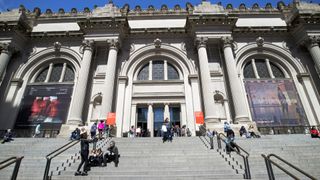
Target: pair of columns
(81, 87)
(239, 101)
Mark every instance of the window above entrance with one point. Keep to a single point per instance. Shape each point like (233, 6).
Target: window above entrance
(158, 70)
(263, 69)
(54, 73)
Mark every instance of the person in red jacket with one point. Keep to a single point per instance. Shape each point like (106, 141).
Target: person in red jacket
(314, 132)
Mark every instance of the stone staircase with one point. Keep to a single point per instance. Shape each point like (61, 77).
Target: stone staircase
(300, 150)
(150, 158)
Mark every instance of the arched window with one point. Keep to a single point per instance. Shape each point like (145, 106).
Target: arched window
(55, 73)
(262, 69)
(160, 70)
(272, 95)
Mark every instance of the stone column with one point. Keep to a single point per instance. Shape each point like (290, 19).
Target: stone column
(193, 79)
(313, 47)
(79, 94)
(227, 110)
(150, 120)
(122, 124)
(107, 98)
(207, 95)
(6, 53)
(238, 97)
(166, 112)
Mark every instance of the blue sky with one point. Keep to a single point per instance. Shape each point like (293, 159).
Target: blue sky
(80, 4)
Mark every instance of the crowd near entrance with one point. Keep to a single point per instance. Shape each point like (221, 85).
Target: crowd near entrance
(156, 117)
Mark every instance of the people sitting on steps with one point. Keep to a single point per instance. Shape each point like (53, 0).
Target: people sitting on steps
(96, 157)
(75, 135)
(243, 132)
(252, 133)
(230, 144)
(112, 155)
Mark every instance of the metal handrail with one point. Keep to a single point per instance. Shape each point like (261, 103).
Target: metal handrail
(8, 162)
(269, 162)
(245, 157)
(55, 153)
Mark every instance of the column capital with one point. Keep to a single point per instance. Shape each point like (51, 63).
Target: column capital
(312, 41)
(6, 48)
(113, 44)
(87, 45)
(201, 42)
(227, 41)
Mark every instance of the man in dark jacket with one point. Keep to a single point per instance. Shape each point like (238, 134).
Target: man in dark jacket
(84, 152)
(111, 155)
(230, 144)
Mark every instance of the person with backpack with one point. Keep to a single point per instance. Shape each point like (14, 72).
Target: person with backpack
(230, 144)
(93, 130)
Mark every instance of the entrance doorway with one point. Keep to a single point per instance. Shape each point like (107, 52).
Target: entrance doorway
(158, 120)
(142, 120)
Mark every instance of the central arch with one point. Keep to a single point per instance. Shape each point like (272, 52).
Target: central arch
(155, 96)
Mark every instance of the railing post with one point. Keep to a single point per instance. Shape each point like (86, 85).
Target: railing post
(16, 168)
(211, 142)
(269, 168)
(219, 142)
(247, 168)
(46, 171)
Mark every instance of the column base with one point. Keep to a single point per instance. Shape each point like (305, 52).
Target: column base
(242, 119)
(210, 119)
(74, 121)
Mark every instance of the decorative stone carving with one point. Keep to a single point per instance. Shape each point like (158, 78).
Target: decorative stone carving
(284, 45)
(86, 45)
(268, 6)
(109, 10)
(138, 8)
(132, 47)
(177, 7)
(242, 7)
(260, 41)
(61, 11)
(151, 8)
(157, 43)
(164, 8)
(183, 46)
(125, 9)
(6, 47)
(227, 41)
(86, 10)
(113, 43)
(74, 11)
(312, 41)
(48, 12)
(57, 46)
(208, 8)
(201, 42)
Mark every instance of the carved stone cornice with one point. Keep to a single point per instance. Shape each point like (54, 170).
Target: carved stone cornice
(86, 45)
(113, 44)
(227, 41)
(201, 42)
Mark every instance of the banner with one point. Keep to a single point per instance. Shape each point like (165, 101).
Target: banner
(275, 102)
(111, 119)
(199, 117)
(45, 104)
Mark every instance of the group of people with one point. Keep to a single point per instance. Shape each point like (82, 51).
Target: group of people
(96, 157)
(248, 134)
(138, 132)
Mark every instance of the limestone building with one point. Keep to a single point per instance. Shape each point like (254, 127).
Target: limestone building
(243, 65)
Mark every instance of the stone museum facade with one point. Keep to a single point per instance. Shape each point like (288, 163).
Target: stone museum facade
(257, 65)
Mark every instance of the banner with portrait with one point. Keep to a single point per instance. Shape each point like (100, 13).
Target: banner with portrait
(275, 102)
(45, 104)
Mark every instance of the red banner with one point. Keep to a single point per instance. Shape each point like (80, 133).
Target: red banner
(111, 119)
(199, 117)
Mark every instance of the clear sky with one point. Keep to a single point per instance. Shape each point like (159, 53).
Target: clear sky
(80, 4)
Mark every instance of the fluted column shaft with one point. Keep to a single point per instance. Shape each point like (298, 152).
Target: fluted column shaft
(81, 87)
(239, 101)
(109, 80)
(5, 56)
(314, 50)
(210, 112)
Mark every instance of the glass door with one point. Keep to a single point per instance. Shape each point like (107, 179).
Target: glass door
(158, 120)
